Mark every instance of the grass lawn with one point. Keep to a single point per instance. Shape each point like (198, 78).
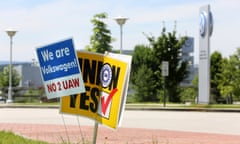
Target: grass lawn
(11, 138)
(176, 105)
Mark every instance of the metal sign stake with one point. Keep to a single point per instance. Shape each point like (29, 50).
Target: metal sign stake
(165, 72)
(164, 92)
(95, 133)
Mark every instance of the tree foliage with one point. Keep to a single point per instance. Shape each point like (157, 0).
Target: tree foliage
(167, 47)
(225, 75)
(215, 72)
(142, 55)
(190, 93)
(101, 38)
(229, 84)
(142, 74)
(4, 77)
(226, 83)
(147, 66)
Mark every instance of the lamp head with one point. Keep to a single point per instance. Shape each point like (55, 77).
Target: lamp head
(10, 32)
(121, 20)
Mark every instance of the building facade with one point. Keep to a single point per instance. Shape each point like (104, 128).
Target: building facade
(30, 75)
(187, 55)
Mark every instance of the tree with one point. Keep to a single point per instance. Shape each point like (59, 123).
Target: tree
(145, 85)
(226, 79)
(229, 84)
(142, 74)
(216, 70)
(4, 77)
(101, 38)
(142, 55)
(190, 93)
(167, 47)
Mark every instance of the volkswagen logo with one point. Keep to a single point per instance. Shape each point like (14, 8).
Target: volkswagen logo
(203, 23)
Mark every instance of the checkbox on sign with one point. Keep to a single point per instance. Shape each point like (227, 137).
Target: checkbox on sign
(106, 103)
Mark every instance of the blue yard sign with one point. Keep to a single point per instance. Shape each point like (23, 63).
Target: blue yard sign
(60, 69)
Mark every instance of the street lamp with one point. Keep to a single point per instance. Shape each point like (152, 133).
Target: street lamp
(121, 21)
(10, 33)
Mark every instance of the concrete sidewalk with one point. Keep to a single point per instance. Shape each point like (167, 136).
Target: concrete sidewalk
(138, 127)
(83, 134)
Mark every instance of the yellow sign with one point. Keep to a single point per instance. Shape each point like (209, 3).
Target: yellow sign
(106, 80)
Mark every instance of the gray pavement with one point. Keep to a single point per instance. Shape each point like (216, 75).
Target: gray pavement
(191, 121)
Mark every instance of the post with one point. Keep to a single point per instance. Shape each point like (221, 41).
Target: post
(164, 93)
(121, 21)
(10, 33)
(121, 39)
(95, 133)
(206, 27)
(10, 75)
(164, 74)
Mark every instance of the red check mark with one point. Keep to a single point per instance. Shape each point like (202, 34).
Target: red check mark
(106, 103)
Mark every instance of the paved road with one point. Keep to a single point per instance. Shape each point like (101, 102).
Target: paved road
(209, 122)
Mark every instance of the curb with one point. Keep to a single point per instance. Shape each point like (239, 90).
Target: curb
(29, 106)
(130, 107)
(186, 109)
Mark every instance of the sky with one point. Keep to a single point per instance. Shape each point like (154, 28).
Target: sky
(42, 22)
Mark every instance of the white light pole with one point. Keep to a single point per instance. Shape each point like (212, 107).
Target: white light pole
(121, 21)
(10, 33)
